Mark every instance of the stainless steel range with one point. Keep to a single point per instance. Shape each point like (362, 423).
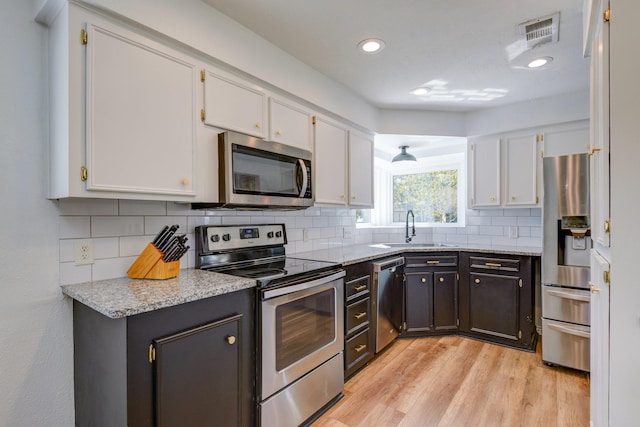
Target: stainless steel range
(300, 318)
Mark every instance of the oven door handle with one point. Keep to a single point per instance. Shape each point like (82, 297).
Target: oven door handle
(302, 286)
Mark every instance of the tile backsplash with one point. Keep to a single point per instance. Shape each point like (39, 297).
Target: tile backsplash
(120, 229)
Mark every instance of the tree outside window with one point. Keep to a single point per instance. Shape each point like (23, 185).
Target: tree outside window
(432, 196)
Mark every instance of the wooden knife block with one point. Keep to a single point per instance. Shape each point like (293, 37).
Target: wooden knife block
(149, 265)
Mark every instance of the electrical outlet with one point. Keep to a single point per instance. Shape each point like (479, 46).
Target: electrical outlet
(346, 233)
(84, 252)
(305, 235)
(513, 232)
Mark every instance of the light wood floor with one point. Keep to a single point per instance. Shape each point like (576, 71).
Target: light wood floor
(456, 381)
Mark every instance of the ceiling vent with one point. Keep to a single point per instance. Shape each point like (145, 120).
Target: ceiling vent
(540, 31)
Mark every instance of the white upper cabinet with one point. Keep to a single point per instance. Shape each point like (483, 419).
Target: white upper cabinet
(124, 120)
(521, 170)
(484, 176)
(330, 165)
(360, 170)
(140, 110)
(504, 171)
(290, 124)
(234, 104)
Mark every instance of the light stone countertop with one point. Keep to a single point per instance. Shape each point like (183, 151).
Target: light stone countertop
(122, 297)
(354, 254)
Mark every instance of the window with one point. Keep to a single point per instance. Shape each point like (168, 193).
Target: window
(432, 196)
(434, 188)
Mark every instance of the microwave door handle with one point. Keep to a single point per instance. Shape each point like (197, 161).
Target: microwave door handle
(305, 178)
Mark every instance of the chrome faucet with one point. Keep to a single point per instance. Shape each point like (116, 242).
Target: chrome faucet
(407, 238)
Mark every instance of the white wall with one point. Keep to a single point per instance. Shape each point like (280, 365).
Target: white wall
(36, 349)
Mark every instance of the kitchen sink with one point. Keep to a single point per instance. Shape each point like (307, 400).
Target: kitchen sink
(412, 245)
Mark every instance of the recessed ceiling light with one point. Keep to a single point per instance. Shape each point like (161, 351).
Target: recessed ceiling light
(539, 62)
(371, 45)
(421, 90)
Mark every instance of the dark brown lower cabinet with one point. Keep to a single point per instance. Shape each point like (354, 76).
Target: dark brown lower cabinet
(497, 298)
(431, 293)
(188, 365)
(358, 335)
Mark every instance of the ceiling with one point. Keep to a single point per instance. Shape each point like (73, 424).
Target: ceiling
(469, 52)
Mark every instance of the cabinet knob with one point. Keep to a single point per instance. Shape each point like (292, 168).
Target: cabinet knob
(258, 125)
(513, 197)
(423, 280)
(353, 197)
(441, 279)
(231, 340)
(342, 196)
(477, 280)
(278, 132)
(594, 289)
(492, 198)
(185, 181)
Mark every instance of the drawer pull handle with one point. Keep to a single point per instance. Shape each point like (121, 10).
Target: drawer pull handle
(360, 288)
(433, 262)
(360, 315)
(567, 295)
(477, 280)
(569, 331)
(441, 279)
(492, 264)
(359, 348)
(423, 280)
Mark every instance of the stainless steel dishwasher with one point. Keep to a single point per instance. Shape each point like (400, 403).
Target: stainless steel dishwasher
(387, 293)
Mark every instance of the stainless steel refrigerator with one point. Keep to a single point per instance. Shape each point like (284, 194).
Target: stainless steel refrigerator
(565, 262)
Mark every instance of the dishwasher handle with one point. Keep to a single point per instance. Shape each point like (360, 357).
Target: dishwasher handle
(387, 264)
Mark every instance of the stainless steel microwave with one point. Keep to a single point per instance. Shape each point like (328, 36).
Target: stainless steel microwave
(254, 173)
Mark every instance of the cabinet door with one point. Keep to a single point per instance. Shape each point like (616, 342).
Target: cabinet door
(360, 170)
(197, 376)
(494, 307)
(140, 115)
(485, 172)
(232, 104)
(599, 354)
(289, 124)
(520, 166)
(419, 302)
(330, 166)
(445, 300)
(600, 141)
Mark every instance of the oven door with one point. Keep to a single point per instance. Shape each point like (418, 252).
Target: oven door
(302, 327)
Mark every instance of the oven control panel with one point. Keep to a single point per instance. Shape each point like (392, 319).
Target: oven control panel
(225, 237)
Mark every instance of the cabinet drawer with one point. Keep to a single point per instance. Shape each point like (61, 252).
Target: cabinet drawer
(357, 316)
(357, 350)
(430, 261)
(502, 264)
(569, 305)
(357, 287)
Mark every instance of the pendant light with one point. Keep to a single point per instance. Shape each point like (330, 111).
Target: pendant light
(404, 155)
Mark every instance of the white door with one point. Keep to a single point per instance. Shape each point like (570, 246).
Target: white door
(599, 340)
(520, 166)
(485, 172)
(289, 124)
(140, 117)
(330, 166)
(360, 170)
